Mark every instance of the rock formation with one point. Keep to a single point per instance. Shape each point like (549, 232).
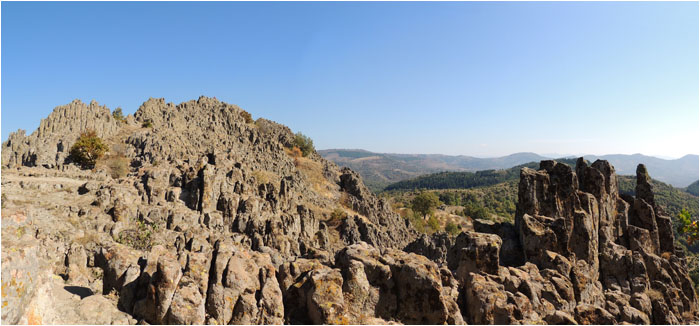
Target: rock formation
(48, 146)
(580, 253)
(218, 222)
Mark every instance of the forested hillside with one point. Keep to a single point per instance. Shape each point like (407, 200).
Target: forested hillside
(495, 202)
(466, 180)
(692, 189)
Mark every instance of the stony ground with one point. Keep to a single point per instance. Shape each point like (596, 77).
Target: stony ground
(42, 227)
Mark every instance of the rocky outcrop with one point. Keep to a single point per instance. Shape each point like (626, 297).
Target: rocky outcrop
(607, 249)
(381, 228)
(577, 253)
(49, 145)
(196, 231)
(369, 286)
(236, 229)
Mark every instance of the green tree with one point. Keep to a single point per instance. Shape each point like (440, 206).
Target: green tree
(118, 115)
(425, 203)
(452, 228)
(475, 211)
(434, 223)
(305, 144)
(87, 149)
(688, 227)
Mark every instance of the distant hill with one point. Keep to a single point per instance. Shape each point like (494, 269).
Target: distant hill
(692, 189)
(381, 169)
(678, 173)
(466, 180)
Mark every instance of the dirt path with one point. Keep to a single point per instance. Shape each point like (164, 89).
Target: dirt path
(63, 180)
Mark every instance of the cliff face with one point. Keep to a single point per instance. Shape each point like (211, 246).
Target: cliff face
(218, 222)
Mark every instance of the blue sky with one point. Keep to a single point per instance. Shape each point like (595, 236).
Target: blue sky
(483, 79)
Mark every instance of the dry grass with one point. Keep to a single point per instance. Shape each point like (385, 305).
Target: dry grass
(87, 238)
(66, 189)
(264, 177)
(118, 166)
(296, 154)
(337, 217)
(313, 171)
(21, 202)
(689, 318)
(74, 221)
(654, 295)
(345, 200)
(115, 161)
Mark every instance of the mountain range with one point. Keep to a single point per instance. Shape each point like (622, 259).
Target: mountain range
(382, 169)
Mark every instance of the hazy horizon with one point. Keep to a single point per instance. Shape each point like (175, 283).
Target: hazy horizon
(548, 155)
(477, 79)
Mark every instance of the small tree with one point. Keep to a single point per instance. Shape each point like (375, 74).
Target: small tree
(425, 203)
(475, 211)
(87, 149)
(246, 116)
(434, 223)
(118, 115)
(688, 227)
(452, 228)
(305, 144)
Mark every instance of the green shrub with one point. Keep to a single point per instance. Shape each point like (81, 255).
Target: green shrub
(418, 222)
(452, 228)
(338, 214)
(688, 227)
(246, 116)
(433, 223)
(87, 149)
(305, 144)
(476, 212)
(147, 124)
(140, 238)
(118, 115)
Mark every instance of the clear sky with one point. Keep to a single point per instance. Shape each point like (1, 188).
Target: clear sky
(483, 79)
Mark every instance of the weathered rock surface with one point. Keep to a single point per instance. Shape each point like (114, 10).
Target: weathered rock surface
(234, 229)
(49, 145)
(578, 253)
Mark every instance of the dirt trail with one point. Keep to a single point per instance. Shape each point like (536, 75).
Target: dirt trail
(9, 176)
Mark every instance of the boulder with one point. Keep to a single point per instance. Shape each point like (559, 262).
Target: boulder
(589, 315)
(473, 253)
(408, 287)
(485, 301)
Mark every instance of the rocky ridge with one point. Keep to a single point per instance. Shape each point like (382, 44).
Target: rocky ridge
(217, 222)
